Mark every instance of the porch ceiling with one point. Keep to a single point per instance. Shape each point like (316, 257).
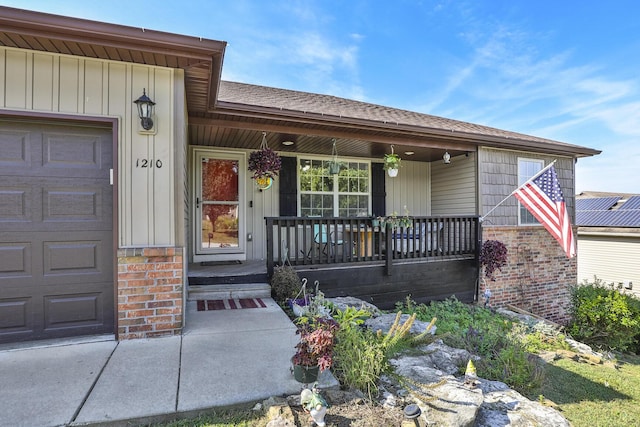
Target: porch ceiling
(215, 130)
(201, 59)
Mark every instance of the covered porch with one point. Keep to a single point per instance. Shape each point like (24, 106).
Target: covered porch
(425, 258)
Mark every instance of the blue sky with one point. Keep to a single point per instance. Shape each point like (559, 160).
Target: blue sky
(565, 70)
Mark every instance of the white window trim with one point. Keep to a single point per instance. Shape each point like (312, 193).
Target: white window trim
(335, 192)
(526, 159)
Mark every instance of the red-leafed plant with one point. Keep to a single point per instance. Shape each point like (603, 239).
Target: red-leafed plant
(317, 340)
(264, 163)
(493, 256)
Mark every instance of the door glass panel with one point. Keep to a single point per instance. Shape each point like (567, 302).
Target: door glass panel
(219, 180)
(220, 196)
(219, 226)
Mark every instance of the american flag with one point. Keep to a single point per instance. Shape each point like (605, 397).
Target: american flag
(542, 197)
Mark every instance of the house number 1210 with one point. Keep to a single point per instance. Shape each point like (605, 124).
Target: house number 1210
(148, 163)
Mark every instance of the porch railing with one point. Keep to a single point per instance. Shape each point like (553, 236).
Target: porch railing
(320, 241)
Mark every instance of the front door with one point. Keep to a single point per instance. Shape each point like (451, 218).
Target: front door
(219, 207)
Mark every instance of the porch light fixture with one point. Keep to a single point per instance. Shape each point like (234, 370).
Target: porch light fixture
(446, 158)
(145, 110)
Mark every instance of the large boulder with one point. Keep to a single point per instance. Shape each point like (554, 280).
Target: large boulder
(342, 303)
(503, 406)
(385, 321)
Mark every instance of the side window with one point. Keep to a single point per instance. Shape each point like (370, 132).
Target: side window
(526, 169)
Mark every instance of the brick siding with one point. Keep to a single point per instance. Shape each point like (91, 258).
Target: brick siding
(537, 276)
(150, 289)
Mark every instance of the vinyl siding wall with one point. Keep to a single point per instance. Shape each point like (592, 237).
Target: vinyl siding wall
(70, 85)
(411, 188)
(453, 186)
(613, 259)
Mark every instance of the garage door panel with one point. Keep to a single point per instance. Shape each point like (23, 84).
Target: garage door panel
(72, 151)
(64, 311)
(72, 204)
(15, 149)
(15, 259)
(14, 315)
(72, 257)
(15, 203)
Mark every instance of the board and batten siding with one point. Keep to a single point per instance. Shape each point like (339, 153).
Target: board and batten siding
(498, 177)
(410, 189)
(87, 87)
(453, 186)
(611, 258)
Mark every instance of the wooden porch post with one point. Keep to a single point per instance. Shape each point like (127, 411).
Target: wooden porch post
(388, 249)
(269, 222)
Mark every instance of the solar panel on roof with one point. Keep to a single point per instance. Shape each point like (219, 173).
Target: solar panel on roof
(596, 204)
(617, 218)
(632, 203)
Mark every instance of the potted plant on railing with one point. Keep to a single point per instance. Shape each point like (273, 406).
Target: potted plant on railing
(265, 164)
(314, 352)
(391, 163)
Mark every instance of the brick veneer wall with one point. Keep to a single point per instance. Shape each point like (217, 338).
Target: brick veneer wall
(537, 276)
(150, 288)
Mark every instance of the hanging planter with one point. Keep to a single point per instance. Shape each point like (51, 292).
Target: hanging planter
(391, 163)
(265, 164)
(334, 164)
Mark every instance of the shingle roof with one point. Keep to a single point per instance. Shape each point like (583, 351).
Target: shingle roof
(285, 100)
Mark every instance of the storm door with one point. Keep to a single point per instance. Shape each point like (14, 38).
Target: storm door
(219, 207)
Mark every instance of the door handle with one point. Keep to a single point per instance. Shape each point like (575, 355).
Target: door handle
(197, 202)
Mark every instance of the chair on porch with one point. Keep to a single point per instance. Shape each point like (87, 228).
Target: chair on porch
(325, 240)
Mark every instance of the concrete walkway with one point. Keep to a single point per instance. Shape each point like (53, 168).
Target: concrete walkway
(223, 358)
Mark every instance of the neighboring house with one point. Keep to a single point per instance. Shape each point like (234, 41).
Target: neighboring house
(101, 217)
(609, 238)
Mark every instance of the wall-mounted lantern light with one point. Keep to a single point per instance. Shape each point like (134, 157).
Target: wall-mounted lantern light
(145, 110)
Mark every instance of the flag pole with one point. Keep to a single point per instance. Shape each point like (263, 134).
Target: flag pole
(513, 192)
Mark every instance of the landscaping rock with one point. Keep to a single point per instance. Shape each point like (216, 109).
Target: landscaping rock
(432, 377)
(342, 303)
(385, 321)
(505, 407)
(279, 412)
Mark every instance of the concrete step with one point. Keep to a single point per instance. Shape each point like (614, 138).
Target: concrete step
(243, 290)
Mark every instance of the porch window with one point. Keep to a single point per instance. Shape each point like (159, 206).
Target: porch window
(526, 169)
(325, 195)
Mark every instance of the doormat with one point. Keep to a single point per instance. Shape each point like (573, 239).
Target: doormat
(229, 304)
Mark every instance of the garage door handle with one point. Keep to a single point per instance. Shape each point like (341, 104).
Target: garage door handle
(197, 202)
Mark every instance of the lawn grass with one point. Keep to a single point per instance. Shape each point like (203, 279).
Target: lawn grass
(240, 418)
(604, 395)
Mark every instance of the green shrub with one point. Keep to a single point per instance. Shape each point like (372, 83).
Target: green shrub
(359, 359)
(481, 332)
(603, 317)
(285, 283)
(359, 356)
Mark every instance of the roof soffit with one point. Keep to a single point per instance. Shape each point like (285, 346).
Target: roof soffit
(200, 58)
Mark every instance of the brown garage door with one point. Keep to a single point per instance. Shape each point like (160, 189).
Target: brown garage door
(56, 231)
